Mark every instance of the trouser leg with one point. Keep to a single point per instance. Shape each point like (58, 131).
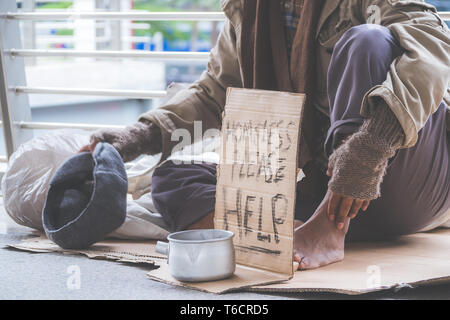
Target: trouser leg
(360, 61)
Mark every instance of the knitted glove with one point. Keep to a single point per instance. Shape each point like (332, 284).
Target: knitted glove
(360, 163)
(143, 137)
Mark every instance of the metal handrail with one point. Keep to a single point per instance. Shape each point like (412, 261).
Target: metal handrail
(444, 15)
(147, 16)
(131, 94)
(154, 55)
(39, 125)
(62, 125)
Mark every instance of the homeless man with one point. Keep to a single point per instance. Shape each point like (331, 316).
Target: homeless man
(375, 137)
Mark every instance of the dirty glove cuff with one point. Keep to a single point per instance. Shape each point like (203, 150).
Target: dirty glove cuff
(360, 163)
(143, 137)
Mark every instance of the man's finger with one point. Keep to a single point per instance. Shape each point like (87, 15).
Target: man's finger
(365, 205)
(84, 149)
(330, 171)
(333, 206)
(344, 208)
(93, 145)
(357, 204)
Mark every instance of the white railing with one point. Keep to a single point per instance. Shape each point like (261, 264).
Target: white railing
(13, 89)
(13, 93)
(71, 25)
(34, 125)
(131, 94)
(62, 125)
(445, 15)
(153, 55)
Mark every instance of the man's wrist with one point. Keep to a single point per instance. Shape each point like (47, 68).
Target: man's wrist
(360, 163)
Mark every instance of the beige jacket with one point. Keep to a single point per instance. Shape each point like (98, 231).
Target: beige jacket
(416, 83)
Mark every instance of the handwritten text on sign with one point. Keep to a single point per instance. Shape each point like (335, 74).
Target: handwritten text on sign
(257, 176)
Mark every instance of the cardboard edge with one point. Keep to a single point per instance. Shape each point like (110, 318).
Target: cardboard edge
(281, 278)
(315, 290)
(19, 247)
(397, 286)
(186, 285)
(88, 254)
(432, 281)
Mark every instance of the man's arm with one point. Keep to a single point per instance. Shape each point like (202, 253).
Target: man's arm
(417, 80)
(416, 84)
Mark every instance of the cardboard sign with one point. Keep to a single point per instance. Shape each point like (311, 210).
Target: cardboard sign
(256, 177)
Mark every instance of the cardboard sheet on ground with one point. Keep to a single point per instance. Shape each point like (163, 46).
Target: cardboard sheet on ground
(419, 259)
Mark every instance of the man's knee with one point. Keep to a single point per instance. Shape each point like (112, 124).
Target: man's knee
(184, 193)
(172, 176)
(369, 41)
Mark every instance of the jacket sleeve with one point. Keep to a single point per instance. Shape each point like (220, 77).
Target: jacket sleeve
(204, 100)
(417, 80)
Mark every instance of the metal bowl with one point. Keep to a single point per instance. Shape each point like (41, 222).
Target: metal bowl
(199, 255)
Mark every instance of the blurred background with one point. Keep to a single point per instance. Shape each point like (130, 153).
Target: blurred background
(136, 74)
(128, 73)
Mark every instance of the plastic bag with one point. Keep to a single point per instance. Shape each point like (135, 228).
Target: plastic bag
(30, 169)
(26, 182)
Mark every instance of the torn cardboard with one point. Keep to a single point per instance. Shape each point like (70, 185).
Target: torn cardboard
(257, 175)
(117, 250)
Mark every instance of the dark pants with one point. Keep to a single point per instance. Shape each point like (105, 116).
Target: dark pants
(415, 190)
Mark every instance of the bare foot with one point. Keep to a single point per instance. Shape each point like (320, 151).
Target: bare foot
(318, 242)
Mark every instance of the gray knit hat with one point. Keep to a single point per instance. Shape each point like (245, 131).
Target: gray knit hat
(87, 198)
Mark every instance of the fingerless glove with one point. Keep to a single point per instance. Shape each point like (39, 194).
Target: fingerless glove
(360, 163)
(143, 137)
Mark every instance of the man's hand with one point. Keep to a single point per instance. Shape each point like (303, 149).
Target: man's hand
(143, 137)
(341, 207)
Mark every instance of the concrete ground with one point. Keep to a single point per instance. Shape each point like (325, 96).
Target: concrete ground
(25, 275)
